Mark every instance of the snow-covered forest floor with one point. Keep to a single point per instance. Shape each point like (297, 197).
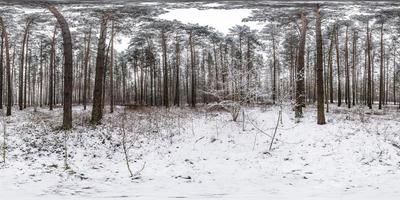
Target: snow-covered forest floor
(197, 154)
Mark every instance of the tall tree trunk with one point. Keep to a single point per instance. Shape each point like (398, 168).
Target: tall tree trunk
(292, 66)
(89, 84)
(8, 73)
(97, 111)
(339, 95)
(41, 75)
(51, 70)
(21, 67)
(26, 68)
(68, 69)
(28, 77)
(369, 79)
(124, 95)
(33, 88)
(330, 65)
(187, 77)
(85, 72)
(203, 77)
(354, 75)
(177, 66)
(394, 73)
(1, 70)
(79, 74)
(300, 69)
(348, 101)
(386, 91)
(249, 69)
(152, 74)
(223, 68)
(216, 68)
(111, 70)
(274, 68)
(105, 74)
(373, 90)
(192, 64)
(319, 70)
(381, 77)
(365, 72)
(135, 65)
(165, 68)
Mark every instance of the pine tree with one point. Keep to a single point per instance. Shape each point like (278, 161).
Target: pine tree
(319, 69)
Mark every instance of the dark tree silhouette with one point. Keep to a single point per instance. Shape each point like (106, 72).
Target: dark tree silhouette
(97, 111)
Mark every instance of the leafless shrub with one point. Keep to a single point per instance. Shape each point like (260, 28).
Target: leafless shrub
(231, 106)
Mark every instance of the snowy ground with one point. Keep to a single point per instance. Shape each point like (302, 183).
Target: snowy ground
(196, 154)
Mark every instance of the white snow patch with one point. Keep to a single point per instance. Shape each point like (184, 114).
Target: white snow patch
(200, 154)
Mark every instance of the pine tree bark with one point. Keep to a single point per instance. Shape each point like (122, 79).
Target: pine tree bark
(274, 68)
(386, 90)
(202, 75)
(292, 66)
(339, 95)
(26, 75)
(97, 111)
(41, 75)
(300, 68)
(7, 59)
(394, 73)
(165, 68)
(187, 77)
(249, 63)
(330, 65)
(68, 68)
(85, 72)
(1, 70)
(105, 74)
(347, 83)
(28, 79)
(369, 76)
(51, 70)
(177, 71)
(381, 78)
(21, 67)
(216, 67)
(192, 64)
(124, 92)
(319, 70)
(33, 88)
(354, 74)
(111, 70)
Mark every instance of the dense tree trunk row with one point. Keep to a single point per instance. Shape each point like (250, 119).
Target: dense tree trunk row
(162, 70)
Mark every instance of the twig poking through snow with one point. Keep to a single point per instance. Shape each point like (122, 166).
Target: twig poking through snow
(276, 127)
(263, 132)
(255, 140)
(4, 137)
(124, 144)
(136, 175)
(243, 120)
(192, 125)
(198, 140)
